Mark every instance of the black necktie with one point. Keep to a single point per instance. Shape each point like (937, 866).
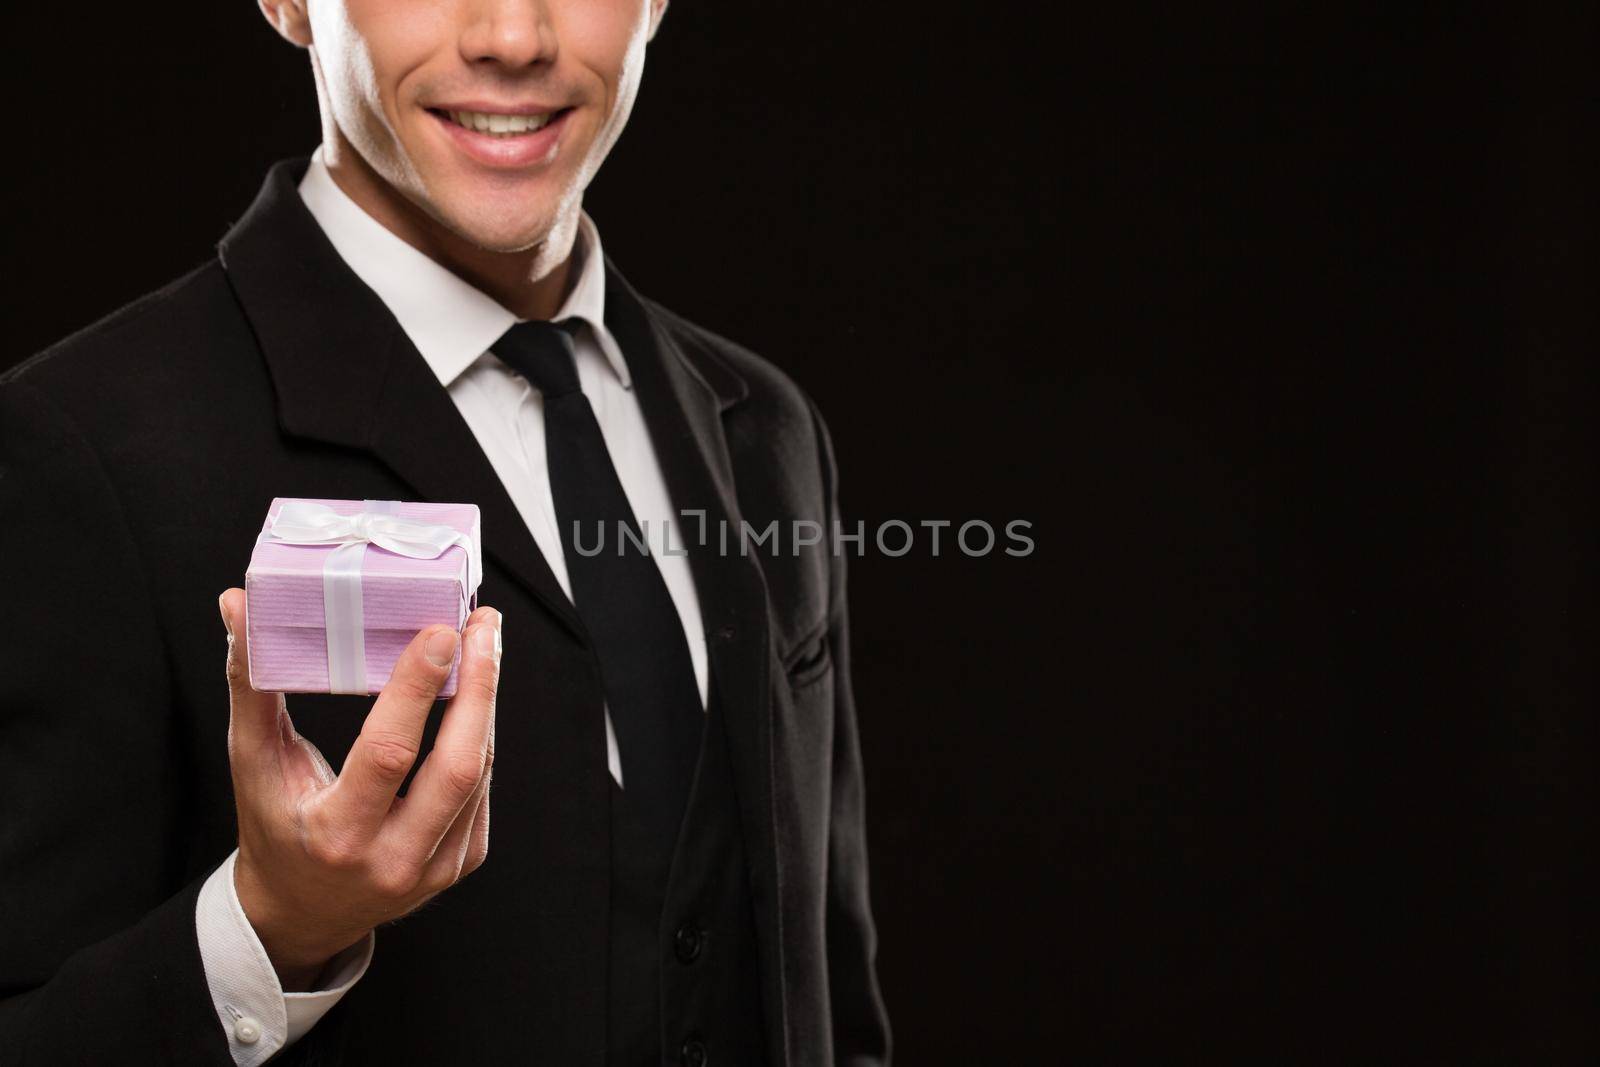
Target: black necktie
(638, 637)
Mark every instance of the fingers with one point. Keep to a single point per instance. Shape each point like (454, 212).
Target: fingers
(257, 721)
(451, 776)
(465, 843)
(478, 836)
(392, 734)
(484, 613)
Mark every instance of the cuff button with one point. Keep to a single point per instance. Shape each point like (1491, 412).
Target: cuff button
(247, 1030)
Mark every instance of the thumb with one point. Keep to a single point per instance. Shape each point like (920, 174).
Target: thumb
(256, 722)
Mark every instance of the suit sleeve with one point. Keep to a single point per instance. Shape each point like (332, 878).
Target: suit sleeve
(99, 961)
(861, 1034)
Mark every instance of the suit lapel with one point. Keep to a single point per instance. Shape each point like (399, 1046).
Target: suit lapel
(683, 403)
(346, 374)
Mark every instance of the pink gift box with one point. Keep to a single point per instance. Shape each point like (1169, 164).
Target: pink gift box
(295, 588)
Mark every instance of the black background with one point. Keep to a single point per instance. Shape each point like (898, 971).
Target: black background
(1277, 327)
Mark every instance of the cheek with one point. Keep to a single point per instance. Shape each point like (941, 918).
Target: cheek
(367, 48)
(609, 41)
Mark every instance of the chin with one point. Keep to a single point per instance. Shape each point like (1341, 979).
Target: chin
(506, 239)
(516, 227)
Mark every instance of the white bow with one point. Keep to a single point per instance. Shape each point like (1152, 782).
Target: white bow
(301, 522)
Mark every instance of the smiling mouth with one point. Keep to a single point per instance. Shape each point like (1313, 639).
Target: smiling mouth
(499, 125)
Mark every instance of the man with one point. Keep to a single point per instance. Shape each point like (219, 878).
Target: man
(423, 311)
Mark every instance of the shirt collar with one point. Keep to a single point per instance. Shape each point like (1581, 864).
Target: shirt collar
(451, 322)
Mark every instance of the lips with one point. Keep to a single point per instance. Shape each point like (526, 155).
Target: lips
(504, 138)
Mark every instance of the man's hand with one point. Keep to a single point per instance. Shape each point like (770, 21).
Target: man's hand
(324, 858)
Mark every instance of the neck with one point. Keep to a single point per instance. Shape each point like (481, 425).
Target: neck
(532, 283)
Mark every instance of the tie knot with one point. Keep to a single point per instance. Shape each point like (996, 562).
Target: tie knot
(543, 353)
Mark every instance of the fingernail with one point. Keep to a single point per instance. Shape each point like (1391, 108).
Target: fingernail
(486, 640)
(441, 648)
(223, 609)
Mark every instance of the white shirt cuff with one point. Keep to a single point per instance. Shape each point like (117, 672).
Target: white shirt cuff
(257, 1016)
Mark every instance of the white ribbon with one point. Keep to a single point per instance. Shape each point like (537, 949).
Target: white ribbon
(301, 522)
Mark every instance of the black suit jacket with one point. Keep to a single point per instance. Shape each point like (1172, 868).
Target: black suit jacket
(137, 459)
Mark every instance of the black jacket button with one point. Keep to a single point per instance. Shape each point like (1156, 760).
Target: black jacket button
(694, 1053)
(688, 942)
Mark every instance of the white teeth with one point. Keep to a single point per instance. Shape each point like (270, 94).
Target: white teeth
(499, 125)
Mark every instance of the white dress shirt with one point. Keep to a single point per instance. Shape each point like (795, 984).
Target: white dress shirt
(453, 325)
